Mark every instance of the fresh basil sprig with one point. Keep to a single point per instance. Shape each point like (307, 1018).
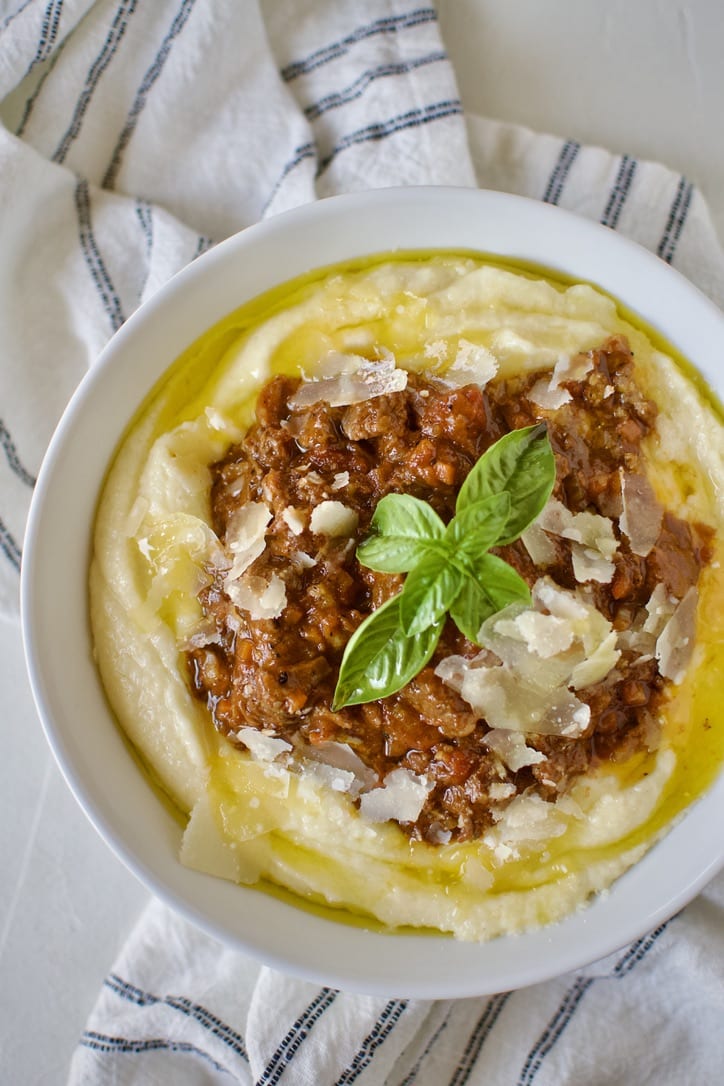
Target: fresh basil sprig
(448, 567)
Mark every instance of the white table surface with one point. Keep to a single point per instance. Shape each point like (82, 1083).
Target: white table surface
(643, 77)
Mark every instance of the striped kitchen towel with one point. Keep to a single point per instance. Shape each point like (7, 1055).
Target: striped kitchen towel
(178, 1007)
(135, 134)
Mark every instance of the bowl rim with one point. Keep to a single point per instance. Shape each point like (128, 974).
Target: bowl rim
(360, 960)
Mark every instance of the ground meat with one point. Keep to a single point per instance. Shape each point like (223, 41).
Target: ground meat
(280, 674)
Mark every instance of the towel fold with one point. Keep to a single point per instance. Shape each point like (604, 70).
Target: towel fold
(135, 135)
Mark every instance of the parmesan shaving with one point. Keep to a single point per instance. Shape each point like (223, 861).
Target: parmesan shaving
(659, 610)
(571, 368)
(547, 652)
(589, 529)
(262, 747)
(334, 518)
(340, 756)
(550, 399)
(302, 560)
(675, 643)
(203, 847)
(642, 515)
(548, 394)
(473, 364)
(528, 823)
(514, 753)
(294, 519)
(245, 536)
(261, 598)
(401, 798)
(589, 565)
(357, 380)
(539, 546)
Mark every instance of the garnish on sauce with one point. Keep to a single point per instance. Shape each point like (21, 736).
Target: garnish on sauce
(449, 569)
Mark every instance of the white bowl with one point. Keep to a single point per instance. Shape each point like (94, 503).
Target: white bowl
(79, 725)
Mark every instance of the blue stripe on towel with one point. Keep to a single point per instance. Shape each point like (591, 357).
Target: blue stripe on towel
(144, 214)
(13, 459)
(48, 34)
(30, 104)
(94, 260)
(196, 1011)
(379, 1033)
(411, 1077)
(635, 953)
(478, 1037)
(295, 1037)
(380, 130)
(559, 176)
(9, 547)
(14, 14)
(356, 89)
(139, 103)
(304, 151)
(390, 25)
(103, 1042)
(114, 38)
(676, 220)
(619, 192)
(203, 246)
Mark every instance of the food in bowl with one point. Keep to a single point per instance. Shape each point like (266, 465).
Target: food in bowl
(407, 589)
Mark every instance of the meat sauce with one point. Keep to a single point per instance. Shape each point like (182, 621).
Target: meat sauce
(280, 674)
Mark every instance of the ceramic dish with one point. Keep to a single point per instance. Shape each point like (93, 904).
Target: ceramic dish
(95, 759)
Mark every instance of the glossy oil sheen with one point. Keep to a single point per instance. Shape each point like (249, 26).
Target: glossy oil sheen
(693, 727)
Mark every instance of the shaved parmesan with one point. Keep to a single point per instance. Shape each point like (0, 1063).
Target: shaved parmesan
(339, 780)
(502, 789)
(401, 798)
(294, 519)
(245, 536)
(571, 368)
(539, 546)
(473, 364)
(333, 518)
(590, 565)
(357, 380)
(340, 757)
(302, 560)
(514, 753)
(559, 601)
(642, 515)
(547, 635)
(597, 666)
(559, 645)
(593, 543)
(261, 598)
(437, 349)
(676, 642)
(550, 399)
(526, 824)
(262, 747)
(203, 847)
(548, 394)
(659, 610)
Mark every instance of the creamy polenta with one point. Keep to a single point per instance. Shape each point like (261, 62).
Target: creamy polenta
(261, 809)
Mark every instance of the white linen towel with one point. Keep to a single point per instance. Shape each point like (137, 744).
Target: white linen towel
(136, 134)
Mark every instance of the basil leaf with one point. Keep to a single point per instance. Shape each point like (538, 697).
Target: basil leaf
(477, 527)
(521, 463)
(380, 659)
(495, 585)
(400, 531)
(429, 590)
